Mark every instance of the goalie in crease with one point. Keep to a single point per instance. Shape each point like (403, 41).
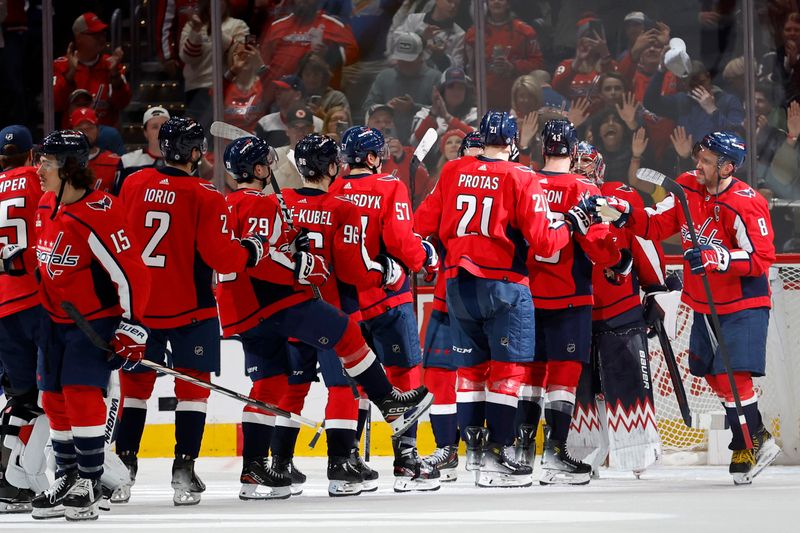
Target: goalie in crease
(736, 249)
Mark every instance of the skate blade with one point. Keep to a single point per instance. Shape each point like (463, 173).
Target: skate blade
(499, 480)
(338, 489)
(15, 507)
(262, 492)
(412, 485)
(448, 475)
(297, 489)
(185, 497)
(121, 494)
(104, 504)
(401, 424)
(79, 514)
(557, 477)
(46, 514)
(369, 486)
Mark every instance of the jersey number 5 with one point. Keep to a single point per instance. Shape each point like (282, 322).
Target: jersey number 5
(11, 222)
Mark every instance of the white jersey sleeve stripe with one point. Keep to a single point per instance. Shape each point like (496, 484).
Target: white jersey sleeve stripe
(114, 270)
(652, 256)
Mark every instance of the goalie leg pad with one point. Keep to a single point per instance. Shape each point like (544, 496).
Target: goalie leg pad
(27, 463)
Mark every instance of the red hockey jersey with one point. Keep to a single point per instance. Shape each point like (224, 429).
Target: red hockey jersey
(334, 225)
(387, 226)
(648, 264)
(488, 214)
(88, 256)
(738, 219)
(19, 197)
(182, 223)
(106, 167)
(564, 279)
(246, 298)
(288, 40)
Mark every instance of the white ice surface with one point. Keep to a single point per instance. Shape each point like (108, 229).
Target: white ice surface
(667, 499)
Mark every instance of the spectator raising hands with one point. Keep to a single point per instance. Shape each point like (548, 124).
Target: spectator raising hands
(628, 110)
(681, 142)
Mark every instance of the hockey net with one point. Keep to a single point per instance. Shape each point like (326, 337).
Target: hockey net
(779, 390)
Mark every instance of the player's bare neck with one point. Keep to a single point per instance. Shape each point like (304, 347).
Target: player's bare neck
(557, 164)
(497, 152)
(721, 185)
(72, 195)
(321, 185)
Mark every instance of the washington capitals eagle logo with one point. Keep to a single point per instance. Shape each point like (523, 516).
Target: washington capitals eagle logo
(747, 193)
(103, 204)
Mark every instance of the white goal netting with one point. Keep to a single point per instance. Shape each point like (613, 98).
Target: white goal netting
(779, 390)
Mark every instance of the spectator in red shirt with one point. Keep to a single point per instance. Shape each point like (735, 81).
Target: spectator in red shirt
(577, 78)
(511, 50)
(307, 29)
(85, 66)
(244, 100)
(381, 117)
(105, 165)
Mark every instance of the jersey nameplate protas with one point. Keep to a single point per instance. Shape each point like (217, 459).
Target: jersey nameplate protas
(47, 254)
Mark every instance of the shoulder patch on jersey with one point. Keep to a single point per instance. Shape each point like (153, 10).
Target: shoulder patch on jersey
(207, 185)
(747, 193)
(585, 181)
(523, 168)
(103, 204)
(290, 15)
(252, 192)
(388, 177)
(333, 19)
(624, 188)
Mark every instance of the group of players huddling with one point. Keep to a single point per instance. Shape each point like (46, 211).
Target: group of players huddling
(535, 284)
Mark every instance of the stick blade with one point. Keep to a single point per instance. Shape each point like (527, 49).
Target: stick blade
(425, 145)
(651, 176)
(227, 131)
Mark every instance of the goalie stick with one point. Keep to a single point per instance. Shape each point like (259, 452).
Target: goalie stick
(657, 178)
(230, 132)
(98, 341)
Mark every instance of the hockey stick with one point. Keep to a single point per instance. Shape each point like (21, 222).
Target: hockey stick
(657, 178)
(228, 131)
(424, 146)
(674, 374)
(368, 433)
(99, 342)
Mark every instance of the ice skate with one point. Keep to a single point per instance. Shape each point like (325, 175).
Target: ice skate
(370, 476)
(14, 500)
(499, 469)
(344, 478)
(411, 473)
(559, 468)
(766, 449)
(285, 466)
(260, 482)
(122, 494)
(49, 504)
(475, 439)
(446, 461)
(402, 409)
(525, 445)
(83, 499)
(185, 482)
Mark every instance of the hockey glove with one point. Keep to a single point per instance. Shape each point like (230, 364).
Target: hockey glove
(11, 256)
(616, 274)
(310, 269)
(129, 343)
(254, 244)
(708, 257)
(431, 266)
(300, 242)
(613, 209)
(393, 276)
(582, 216)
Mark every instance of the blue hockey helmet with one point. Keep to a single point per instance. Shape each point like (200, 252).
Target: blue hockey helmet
(242, 155)
(472, 140)
(177, 138)
(498, 128)
(559, 138)
(360, 141)
(314, 154)
(65, 145)
(728, 146)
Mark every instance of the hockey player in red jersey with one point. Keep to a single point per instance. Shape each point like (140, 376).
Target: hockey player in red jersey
(183, 225)
(619, 342)
(273, 302)
(86, 257)
(20, 316)
(561, 284)
(388, 319)
(439, 362)
(736, 249)
(488, 213)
